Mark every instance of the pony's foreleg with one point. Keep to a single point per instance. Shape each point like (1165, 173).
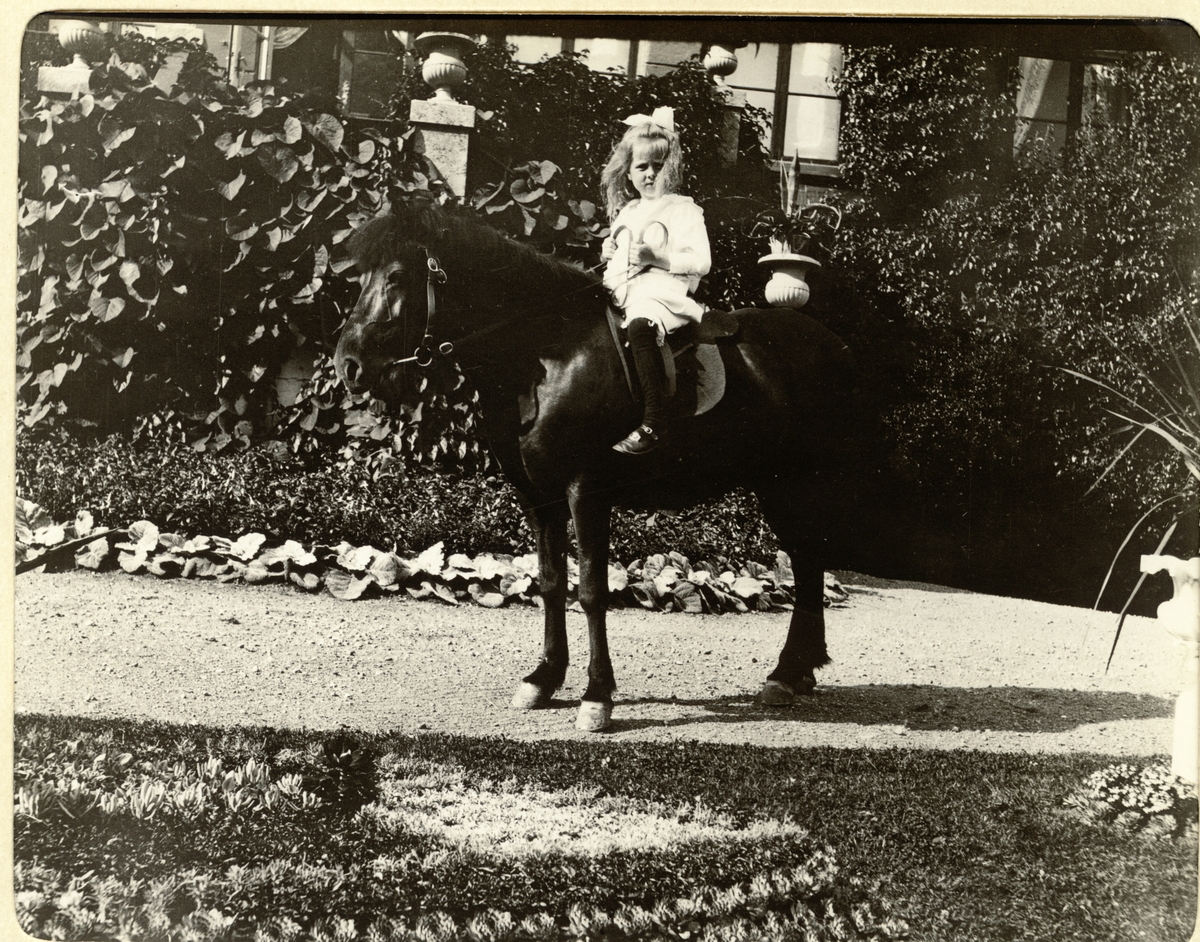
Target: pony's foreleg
(804, 651)
(538, 687)
(592, 523)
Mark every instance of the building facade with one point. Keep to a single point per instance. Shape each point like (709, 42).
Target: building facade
(786, 66)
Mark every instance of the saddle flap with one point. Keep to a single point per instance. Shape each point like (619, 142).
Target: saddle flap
(715, 326)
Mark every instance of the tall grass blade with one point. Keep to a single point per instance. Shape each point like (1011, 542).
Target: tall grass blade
(1187, 453)
(1125, 542)
(1117, 460)
(1133, 594)
(1172, 405)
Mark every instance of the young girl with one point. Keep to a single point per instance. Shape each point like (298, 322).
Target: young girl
(656, 254)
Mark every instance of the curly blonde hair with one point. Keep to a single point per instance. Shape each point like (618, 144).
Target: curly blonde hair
(664, 146)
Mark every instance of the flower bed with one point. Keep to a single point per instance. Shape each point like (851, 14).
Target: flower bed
(137, 834)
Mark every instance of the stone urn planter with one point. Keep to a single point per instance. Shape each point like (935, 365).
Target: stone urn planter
(82, 40)
(788, 286)
(789, 231)
(1180, 616)
(720, 60)
(444, 69)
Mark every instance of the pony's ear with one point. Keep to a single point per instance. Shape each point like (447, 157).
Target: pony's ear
(417, 218)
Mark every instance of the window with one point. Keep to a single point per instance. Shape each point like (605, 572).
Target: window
(795, 84)
(757, 76)
(814, 111)
(535, 48)
(604, 55)
(1055, 98)
(369, 70)
(1042, 104)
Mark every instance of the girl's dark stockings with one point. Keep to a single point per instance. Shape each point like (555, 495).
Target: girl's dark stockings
(647, 359)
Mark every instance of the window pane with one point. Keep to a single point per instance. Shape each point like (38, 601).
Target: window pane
(1043, 136)
(756, 66)
(372, 82)
(1043, 91)
(533, 48)
(371, 40)
(764, 100)
(605, 54)
(815, 67)
(812, 128)
(643, 57)
(1101, 100)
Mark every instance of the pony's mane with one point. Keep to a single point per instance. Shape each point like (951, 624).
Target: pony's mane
(501, 270)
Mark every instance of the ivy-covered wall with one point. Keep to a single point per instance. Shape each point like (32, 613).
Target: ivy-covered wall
(176, 249)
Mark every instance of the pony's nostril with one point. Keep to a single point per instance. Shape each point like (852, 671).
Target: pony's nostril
(351, 369)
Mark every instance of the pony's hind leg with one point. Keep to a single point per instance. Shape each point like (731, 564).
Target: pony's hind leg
(592, 527)
(537, 688)
(804, 650)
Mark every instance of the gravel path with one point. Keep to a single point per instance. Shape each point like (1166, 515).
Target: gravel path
(913, 666)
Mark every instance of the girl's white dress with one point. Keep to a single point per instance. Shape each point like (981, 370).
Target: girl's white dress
(673, 225)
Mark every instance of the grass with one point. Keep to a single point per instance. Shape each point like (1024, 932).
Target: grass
(960, 846)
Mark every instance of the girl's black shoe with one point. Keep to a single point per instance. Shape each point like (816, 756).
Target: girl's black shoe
(641, 440)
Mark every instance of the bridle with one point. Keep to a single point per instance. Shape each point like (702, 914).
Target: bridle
(423, 355)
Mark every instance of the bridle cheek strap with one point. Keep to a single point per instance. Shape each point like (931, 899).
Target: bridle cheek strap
(423, 355)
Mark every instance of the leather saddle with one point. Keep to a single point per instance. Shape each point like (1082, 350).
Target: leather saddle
(692, 361)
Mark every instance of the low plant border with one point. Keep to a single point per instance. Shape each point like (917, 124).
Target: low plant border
(660, 582)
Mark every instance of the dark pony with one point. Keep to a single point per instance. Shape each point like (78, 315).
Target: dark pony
(530, 332)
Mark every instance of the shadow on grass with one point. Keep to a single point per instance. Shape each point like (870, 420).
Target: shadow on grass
(925, 707)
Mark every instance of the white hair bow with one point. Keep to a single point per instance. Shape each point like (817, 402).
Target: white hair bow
(663, 116)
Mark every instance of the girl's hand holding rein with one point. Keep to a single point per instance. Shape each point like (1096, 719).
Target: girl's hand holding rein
(642, 255)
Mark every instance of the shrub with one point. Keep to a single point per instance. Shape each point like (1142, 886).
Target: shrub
(174, 250)
(990, 271)
(257, 490)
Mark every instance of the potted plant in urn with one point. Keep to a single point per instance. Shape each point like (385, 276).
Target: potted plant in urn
(790, 230)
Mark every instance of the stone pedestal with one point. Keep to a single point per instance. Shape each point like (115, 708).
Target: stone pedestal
(443, 130)
(70, 79)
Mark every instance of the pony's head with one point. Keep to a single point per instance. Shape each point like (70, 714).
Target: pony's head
(431, 277)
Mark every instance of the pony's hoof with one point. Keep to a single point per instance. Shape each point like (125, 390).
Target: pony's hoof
(776, 693)
(530, 697)
(593, 716)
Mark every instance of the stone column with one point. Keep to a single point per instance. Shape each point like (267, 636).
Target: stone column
(1180, 615)
(731, 124)
(443, 125)
(719, 61)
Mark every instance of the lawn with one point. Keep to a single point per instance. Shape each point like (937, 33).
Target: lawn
(155, 831)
